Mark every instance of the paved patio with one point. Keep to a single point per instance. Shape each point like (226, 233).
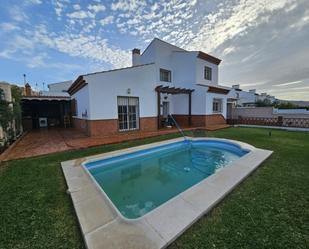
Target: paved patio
(46, 141)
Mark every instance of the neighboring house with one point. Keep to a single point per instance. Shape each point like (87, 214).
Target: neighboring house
(164, 80)
(241, 98)
(47, 108)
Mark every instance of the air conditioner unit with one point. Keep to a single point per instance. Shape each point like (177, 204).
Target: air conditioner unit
(43, 122)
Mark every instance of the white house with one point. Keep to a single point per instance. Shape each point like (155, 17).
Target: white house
(249, 98)
(164, 80)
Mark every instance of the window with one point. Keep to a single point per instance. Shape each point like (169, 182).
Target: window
(207, 73)
(217, 106)
(165, 75)
(128, 114)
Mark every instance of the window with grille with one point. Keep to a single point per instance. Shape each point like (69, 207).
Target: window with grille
(128, 113)
(217, 106)
(165, 75)
(207, 73)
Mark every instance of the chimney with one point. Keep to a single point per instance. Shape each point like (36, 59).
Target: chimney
(235, 86)
(28, 91)
(136, 57)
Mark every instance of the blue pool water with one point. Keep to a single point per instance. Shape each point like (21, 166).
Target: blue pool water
(138, 182)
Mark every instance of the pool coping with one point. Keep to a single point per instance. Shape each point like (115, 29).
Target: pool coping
(103, 226)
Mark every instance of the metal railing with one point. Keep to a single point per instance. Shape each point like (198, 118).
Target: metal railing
(178, 127)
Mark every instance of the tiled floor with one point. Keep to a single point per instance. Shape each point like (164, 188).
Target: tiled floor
(46, 141)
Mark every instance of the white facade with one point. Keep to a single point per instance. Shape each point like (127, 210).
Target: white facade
(98, 98)
(248, 98)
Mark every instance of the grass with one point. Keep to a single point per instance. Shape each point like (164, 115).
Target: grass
(269, 210)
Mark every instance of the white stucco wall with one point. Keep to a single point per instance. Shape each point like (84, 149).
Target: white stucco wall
(187, 72)
(184, 69)
(82, 97)
(105, 87)
(209, 103)
(61, 86)
(200, 66)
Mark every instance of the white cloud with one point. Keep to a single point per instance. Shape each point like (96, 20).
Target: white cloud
(231, 21)
(289, 83)
(97, 8)
(107, 20)
(81, 14)
(34, 1)
(6, 26)
(228, 50)
(76, 7)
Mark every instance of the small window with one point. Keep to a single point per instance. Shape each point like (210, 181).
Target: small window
(207, 73)
(165, 75)
(217, 106)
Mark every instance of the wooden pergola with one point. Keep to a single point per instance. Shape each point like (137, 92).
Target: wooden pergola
(173, 90)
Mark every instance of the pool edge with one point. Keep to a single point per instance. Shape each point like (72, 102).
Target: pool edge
(164, 224)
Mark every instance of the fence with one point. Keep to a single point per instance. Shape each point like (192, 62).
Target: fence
(271, 121)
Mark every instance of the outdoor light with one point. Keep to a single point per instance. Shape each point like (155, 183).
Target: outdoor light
(129, 91)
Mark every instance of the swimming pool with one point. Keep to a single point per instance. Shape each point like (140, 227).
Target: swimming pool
(138, 182)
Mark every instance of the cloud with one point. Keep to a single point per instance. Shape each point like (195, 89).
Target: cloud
(289, 83)
(76, 7)
(6, 26)
(81, 14)
(97, 8)
(33, 1)
(107, 20)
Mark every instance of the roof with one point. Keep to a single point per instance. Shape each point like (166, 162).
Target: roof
(202, 55)
(54, 94)
(157, 39)
(80, 82)
(208, 57)
(49, 98)
(216, 89)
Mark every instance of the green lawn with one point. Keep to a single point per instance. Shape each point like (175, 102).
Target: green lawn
(269, 210)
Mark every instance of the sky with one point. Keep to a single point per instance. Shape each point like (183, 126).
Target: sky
(263, 44)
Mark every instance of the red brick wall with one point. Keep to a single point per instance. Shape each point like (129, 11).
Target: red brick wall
(80, 125)
(215, 119)
(110, 126)
(102, 127)
(200, 120)
(148, 124)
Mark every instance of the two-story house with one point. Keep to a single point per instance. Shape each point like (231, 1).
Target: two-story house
(164, 80)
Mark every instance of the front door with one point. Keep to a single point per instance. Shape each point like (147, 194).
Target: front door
(128, 114)
(166, 109)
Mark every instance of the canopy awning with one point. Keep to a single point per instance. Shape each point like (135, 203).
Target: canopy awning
(173, 90)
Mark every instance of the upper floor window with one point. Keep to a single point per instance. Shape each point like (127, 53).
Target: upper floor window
(165, 75)
(217, 106)
(207, 73)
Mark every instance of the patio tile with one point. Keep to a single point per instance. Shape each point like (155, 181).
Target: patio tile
(170, 220)
(124, 235)
(93, 213)
(203, 197)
